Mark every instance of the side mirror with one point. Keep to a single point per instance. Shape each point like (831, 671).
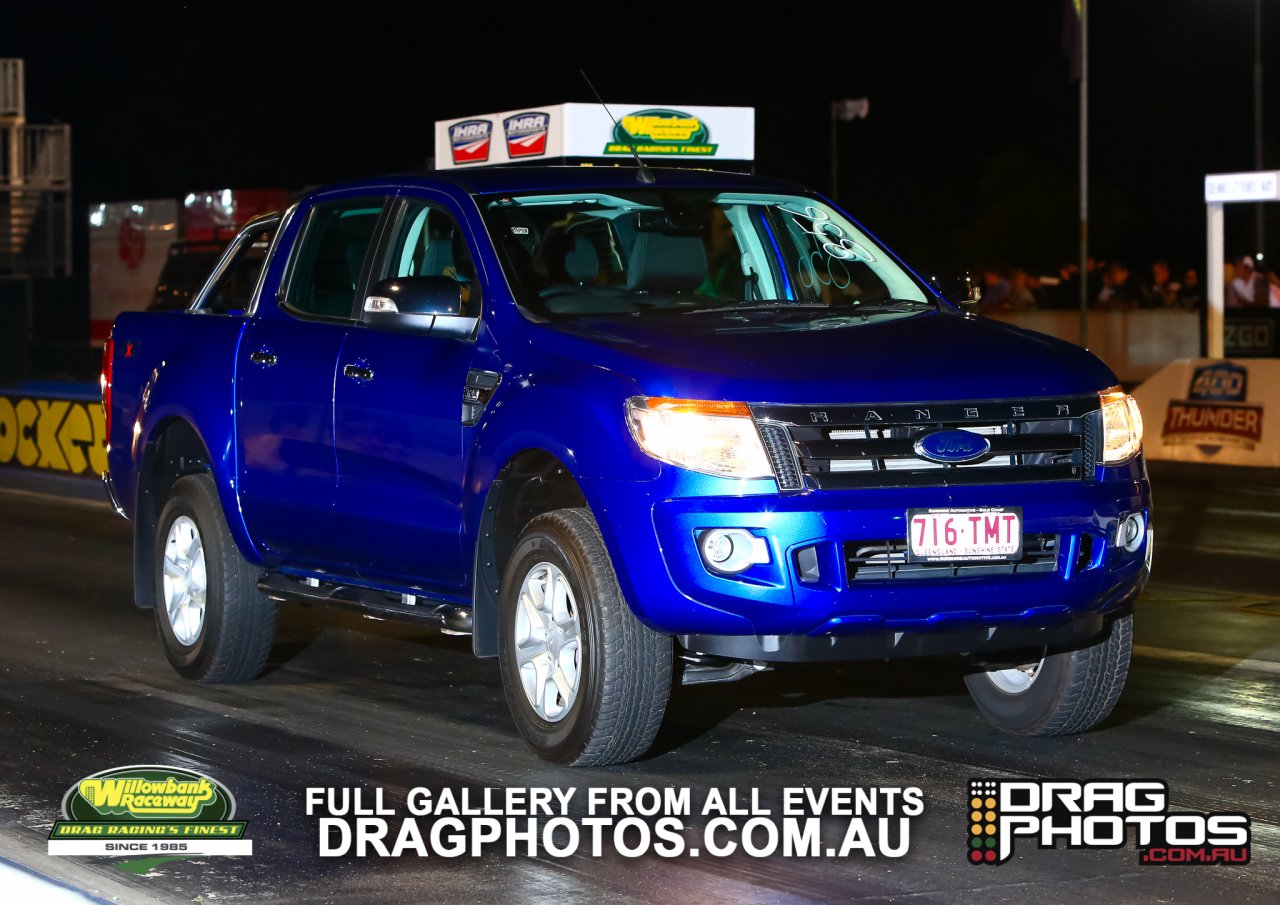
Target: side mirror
(961, 290)
(417, 305)
(415, 295)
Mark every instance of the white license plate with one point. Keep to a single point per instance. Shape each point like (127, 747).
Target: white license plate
(950, 535)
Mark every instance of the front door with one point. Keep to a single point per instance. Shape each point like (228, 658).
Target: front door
(397, 417)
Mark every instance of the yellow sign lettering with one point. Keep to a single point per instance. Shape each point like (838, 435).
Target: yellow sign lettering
(98, 446)
(144, 798)
(55, 434)
(27, 414)
(74, 436)
(8, 431)
(662, 128)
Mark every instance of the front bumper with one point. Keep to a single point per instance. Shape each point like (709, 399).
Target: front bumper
(1033, 632)
(652, 540)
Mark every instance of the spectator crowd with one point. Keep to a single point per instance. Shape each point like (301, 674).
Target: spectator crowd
(1112, 286)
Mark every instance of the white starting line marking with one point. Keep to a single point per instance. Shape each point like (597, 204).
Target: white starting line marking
(1247, 513)
(31, 888)
(1199, 658)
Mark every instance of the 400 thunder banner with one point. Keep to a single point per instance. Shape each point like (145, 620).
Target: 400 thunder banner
(1211, 410)
(671, 132)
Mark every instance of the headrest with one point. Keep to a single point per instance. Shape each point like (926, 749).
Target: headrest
(665, 263)
(581, 263)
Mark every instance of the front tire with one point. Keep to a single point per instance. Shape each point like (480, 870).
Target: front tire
(1063, 693)
(587, 682)
(214, 623)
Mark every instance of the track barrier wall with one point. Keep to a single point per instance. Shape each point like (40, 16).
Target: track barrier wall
(55, 429)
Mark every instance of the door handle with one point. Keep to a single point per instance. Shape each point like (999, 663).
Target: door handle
(263, 357)
(355, 372)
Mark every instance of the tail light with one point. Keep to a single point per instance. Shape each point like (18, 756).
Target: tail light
(104, 380)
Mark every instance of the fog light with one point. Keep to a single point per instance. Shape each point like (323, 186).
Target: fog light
(1132, 531)
(730, 550)
(717, 547)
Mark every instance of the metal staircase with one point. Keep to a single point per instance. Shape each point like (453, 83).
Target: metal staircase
(35, 186)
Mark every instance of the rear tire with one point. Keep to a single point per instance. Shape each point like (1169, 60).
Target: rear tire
(214, 623)
(1064, 693)
(586, 681)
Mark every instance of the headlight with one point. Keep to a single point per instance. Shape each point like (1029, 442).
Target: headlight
(718, 438)
(1121, 426)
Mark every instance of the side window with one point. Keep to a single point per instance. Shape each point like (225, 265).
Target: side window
(329, 263)
(428, 241)
(232, 291)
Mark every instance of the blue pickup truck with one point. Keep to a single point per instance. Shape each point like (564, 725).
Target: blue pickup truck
(625, 428)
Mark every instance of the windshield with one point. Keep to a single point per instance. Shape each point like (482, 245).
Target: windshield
(642, 250)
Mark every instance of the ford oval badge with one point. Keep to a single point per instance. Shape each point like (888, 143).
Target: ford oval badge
(952, 447)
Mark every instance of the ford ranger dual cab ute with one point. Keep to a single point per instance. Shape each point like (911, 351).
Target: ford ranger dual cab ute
(625, 428)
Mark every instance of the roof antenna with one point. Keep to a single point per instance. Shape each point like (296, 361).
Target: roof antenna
(646, 174)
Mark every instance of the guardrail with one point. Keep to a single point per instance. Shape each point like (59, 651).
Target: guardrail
(46, 157)
(35, 157)
(12, 91)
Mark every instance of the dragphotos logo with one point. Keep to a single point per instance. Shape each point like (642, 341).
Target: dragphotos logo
(1099, 813)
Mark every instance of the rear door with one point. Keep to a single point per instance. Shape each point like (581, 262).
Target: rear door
(285, 377)
(398, 416)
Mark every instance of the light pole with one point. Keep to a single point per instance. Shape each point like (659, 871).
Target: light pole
(1082, 9)
(1260, 246)
(844, 110)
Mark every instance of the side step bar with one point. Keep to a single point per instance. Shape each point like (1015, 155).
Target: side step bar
(704, 669)
(453, 619)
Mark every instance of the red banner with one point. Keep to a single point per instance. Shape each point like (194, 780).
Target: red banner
(1244, 421)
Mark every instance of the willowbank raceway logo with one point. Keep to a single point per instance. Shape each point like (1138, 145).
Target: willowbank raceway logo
(149, 810)
(1099, 813)
(660, 131)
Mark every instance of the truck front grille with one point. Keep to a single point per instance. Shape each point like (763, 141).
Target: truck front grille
(887, 560)
(838, 447)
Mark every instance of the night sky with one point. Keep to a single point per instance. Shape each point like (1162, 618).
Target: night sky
(968, 157)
